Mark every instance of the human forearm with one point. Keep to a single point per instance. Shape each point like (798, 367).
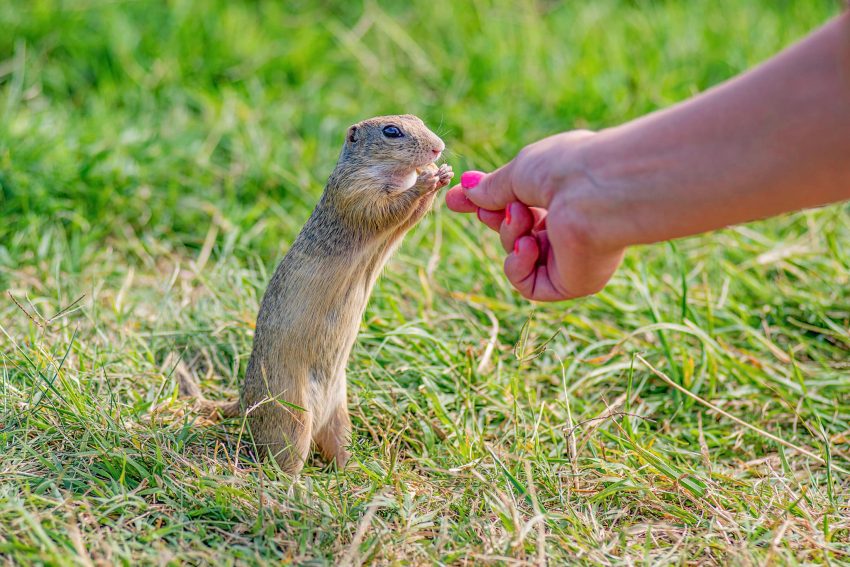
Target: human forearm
(775, 139)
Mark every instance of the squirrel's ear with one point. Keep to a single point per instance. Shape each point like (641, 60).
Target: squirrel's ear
(352, 134)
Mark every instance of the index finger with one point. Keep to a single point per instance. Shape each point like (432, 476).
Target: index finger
(457, 201)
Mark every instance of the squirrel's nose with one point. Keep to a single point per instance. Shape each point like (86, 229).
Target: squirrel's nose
(438, 150)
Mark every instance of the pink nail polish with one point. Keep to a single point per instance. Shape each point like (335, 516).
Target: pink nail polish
(516, 246)
(508, 214)
(470, 179)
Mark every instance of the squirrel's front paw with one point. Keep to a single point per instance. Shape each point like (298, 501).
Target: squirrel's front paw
(433, 178)
(444, 175)
(428, 180)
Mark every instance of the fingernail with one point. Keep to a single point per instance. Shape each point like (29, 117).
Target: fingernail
(508, 214)
(516, 246)
(470, 179)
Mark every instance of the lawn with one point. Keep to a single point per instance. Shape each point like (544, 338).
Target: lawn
(157, 158)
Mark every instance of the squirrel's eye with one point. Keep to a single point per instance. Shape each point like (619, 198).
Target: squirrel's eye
(392, 132)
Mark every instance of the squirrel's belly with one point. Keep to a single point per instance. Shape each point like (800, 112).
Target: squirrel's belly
(325, 394)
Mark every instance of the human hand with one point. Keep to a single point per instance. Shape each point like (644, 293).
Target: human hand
(536, 202)
(726, 156)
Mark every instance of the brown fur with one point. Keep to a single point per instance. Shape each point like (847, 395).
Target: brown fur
(295, 386)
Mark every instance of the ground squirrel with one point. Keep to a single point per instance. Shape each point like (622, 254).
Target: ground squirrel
(295, 387)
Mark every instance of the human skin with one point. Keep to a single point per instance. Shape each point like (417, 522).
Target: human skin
(772, 140)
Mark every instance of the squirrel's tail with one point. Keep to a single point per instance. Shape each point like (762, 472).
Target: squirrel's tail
(188, 387)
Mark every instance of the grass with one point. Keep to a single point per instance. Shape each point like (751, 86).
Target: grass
(157, 158)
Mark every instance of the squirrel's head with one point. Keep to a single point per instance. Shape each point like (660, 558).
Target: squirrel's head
(398, 143)
(377, 168)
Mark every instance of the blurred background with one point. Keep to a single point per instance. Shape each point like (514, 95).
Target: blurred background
(149, 115)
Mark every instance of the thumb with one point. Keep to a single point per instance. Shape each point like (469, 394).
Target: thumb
(492, 191)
